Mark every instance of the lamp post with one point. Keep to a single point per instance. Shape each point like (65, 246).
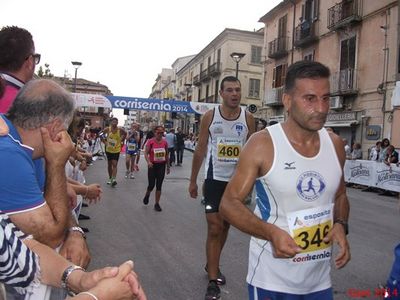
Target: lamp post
(237, 57)
(76, 65)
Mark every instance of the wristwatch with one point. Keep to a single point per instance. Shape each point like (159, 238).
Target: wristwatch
(78, 229)
(345, 225)
(65, 276)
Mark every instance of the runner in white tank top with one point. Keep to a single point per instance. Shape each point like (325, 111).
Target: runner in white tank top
(226, 139)
(223, 132)
(302, 205)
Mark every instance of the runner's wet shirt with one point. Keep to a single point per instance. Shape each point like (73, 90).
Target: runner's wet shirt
(225, 141)
(297, 195)
(113, 141)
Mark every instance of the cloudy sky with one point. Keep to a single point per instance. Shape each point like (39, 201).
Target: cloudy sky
(124, 44)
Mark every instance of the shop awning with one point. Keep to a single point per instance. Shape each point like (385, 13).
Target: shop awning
(341, 124)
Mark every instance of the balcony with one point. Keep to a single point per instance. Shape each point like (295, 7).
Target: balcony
(196, 80)
(344, 13)
(278, 48)
(215, 69)
(274, 97)
(205, 76)
(305, 34)
(344, 82)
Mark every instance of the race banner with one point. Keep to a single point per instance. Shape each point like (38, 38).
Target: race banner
(149, 104)
(374, 174)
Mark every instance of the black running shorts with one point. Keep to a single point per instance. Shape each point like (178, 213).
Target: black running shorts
(112, 156)
(213, 191)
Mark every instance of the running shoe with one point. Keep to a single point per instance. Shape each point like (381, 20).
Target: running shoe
(113, 183)
(127, 174)
(213, 291)
(157, 207)
(109, 181)
(221, 280)
(146, 200)
(132, 176)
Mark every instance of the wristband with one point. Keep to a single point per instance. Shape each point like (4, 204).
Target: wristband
(77, 229)
(89, 294)
(64, 278)
(344, 224)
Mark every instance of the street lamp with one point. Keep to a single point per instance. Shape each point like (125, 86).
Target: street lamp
(237, 57)
(76, 65)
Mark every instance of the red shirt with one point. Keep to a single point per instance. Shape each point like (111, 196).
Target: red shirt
(157, 151)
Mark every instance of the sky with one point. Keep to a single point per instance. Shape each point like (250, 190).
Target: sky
(124, 44)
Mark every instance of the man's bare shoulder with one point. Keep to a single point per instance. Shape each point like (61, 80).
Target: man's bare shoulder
(260, 141)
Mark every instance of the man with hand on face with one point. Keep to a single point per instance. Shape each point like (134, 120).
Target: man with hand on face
(37, 123)
(223, 132)
(301, 203)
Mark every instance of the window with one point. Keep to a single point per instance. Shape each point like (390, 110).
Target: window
(254, 88)
(256, 54)
(282, 26)
(309, 55)
(279, 76)
(348, 53)
(309, 10)
(216, 91)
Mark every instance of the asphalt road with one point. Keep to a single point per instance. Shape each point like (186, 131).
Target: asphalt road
(168, 247)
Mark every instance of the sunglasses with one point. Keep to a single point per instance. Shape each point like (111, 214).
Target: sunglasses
(160, 132)
(36, 57)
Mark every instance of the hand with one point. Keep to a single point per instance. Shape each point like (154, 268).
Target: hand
(283, 244)
(123, 286)
(337, 234)
(58, 149)
(193, 190)
(75, 249)
(150, 164)
(80, 281)
(94, 192)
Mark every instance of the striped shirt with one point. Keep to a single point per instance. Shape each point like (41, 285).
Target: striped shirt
(19, 266)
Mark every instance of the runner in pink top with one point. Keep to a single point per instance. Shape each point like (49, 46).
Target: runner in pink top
(156, 155)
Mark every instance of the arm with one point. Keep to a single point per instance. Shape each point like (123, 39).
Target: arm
(341, 211)
(250, 166)
(123, 135)
(92, 192)
(49, 222)
(53, 266)
(200, 152)
(251, 124)
(146, 155)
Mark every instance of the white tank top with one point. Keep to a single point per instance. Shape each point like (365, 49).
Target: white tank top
(297, 195)
(225, 141)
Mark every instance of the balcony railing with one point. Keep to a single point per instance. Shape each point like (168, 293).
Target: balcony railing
(305, 34)
(344, 13)
(344, 82)
(278, 48)
(204, 75)
(274, 96)
(196, 80)
(215, 69)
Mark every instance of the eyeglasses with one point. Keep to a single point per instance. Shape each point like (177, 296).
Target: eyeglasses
(160, 132)
(36, 57)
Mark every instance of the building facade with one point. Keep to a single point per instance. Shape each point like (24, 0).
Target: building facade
(357, 40)
(95, 117)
